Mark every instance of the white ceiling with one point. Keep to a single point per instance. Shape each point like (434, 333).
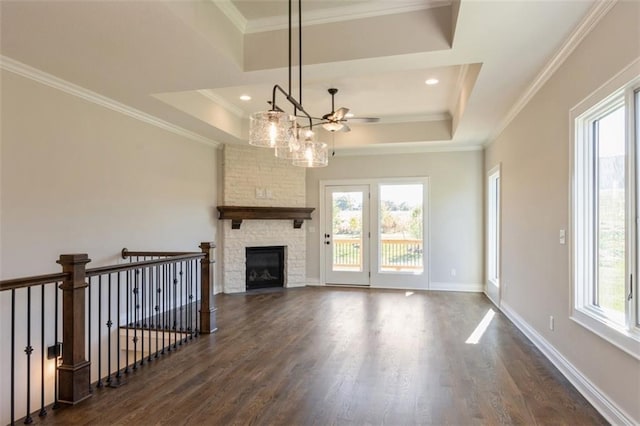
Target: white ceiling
(188, 62)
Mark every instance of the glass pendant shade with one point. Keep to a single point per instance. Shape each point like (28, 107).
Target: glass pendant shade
(270, 129)
(311, 153)
(289, 151)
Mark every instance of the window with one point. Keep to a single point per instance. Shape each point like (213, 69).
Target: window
(605, 208)
(493, 226)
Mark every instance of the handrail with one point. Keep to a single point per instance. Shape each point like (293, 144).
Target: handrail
(128, 253)
(24, 282)
(101, 270)
(169, 297)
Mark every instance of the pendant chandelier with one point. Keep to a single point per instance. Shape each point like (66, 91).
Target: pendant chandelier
(281, 131)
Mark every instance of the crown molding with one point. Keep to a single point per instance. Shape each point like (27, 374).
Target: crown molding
(47, 79)
(410, 118)
(232, 13)
(209, 94)
(347, 13)
(408, 148)
(595, 14)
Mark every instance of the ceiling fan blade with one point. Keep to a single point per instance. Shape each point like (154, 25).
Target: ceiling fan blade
(345, 128)
(364, 120)
(340, 113)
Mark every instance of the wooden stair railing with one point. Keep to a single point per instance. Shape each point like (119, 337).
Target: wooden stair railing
(73, 379)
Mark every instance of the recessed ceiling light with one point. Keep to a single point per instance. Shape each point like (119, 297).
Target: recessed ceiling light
(245, 98)
(349, 115)
(432, 81)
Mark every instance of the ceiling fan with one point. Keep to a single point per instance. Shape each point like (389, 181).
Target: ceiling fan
(336, 120)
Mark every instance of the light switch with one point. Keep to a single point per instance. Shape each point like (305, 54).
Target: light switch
(563, 239)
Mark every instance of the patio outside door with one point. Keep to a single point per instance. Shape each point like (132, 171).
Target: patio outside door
(346, 235)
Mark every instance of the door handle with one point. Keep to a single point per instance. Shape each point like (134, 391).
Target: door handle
(327, 235)
(327, 242)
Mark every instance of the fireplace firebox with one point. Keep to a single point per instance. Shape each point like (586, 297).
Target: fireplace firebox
(265, 267)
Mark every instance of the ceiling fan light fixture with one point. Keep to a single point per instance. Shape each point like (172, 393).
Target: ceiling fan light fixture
(332, 126)
(270, 129)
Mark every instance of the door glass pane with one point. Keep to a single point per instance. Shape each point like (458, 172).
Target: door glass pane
(401, 228)
(611, 212)
(347, 231)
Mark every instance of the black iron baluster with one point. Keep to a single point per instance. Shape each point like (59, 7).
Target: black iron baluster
(89, 330)
(142, 317)
(100, 384)
(191, 300)
(164, 305)
(157, 307)
(127, 310)
(187, 266)
(168, 305)
(183, 306)
(109, 324)
(28, 350)
(13, 356)
(43, 410)
(55, 337)
(187, 287)
(118, 375)
(149, 312)
(176, 290)
(198, 297)
(135, 319)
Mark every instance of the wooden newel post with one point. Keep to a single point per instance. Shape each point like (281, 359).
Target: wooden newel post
(74, 375)
(207, 308)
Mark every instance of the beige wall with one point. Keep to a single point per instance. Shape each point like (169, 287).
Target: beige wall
(534, 153)
(455, 197)
(77, 177)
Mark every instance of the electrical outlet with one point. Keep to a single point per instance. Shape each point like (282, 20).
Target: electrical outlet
(551, 323)
(454, 272)
(563, 238)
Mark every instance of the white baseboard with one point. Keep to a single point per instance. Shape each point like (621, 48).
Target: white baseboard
(609, 410)
(314, 282)
(468, 287)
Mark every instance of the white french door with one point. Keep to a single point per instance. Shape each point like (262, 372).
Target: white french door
(346, 234)
(374, 233)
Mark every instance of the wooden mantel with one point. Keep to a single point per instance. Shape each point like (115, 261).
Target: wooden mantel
(238, 213)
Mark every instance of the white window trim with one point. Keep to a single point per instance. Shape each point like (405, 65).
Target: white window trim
(493, 278)
(618, 90)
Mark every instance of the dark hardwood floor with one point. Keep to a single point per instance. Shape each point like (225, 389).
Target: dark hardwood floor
(320, 356)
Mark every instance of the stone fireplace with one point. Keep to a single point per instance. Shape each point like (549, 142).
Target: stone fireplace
(255, 177)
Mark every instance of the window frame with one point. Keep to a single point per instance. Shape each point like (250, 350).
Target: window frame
(623, 89)
(493, 226)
